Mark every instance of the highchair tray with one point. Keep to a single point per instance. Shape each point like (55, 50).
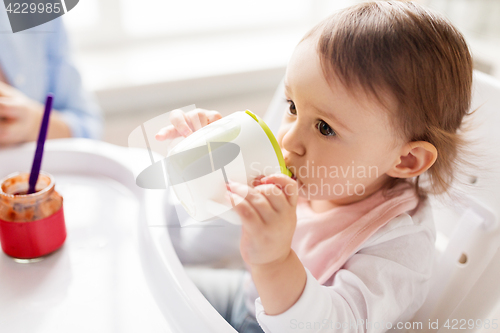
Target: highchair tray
(117, 270)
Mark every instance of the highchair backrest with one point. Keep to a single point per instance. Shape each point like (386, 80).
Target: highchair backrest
(464, 289)
(467, 268)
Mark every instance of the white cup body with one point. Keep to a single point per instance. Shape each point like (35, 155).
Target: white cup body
(206, 197)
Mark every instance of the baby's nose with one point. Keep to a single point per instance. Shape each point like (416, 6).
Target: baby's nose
(293, 141)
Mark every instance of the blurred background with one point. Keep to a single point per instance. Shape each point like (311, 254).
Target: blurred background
(144, 58)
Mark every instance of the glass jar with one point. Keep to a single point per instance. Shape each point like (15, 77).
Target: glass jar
(17, 206)
(31, 225)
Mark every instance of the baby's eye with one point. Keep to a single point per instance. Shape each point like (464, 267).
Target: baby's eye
(291, 109)
(325, 129)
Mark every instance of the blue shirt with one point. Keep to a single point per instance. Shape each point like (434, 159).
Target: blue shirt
(37, 61)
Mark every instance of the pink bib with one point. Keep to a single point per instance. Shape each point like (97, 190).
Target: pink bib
(325, 241)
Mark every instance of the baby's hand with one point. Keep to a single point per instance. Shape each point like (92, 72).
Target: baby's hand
(184, 124)
(268, 215)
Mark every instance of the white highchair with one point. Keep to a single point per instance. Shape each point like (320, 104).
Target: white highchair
(464, 287)
(464, 292)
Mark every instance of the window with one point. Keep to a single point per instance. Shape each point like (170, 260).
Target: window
(96, 23)
(168, 17)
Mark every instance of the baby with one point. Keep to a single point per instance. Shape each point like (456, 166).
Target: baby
(376, 93)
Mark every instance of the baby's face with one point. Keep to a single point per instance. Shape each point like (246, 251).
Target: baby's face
(338, 143)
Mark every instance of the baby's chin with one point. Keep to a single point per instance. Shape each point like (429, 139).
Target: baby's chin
(312, 196)
(329, 192)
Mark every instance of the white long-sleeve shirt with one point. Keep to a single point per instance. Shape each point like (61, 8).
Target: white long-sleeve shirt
(380, 287)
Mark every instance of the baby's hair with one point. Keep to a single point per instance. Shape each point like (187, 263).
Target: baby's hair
(419, 58)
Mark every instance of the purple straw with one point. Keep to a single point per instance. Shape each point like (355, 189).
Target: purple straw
(37, 162)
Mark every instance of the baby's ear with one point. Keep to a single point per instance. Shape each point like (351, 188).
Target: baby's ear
(415, 158)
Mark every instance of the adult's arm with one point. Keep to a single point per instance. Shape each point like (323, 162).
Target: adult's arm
(76, 106)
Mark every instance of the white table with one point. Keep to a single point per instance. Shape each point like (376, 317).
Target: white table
(117, 271)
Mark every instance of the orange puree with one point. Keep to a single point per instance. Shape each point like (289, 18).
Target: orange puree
(16, 206)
